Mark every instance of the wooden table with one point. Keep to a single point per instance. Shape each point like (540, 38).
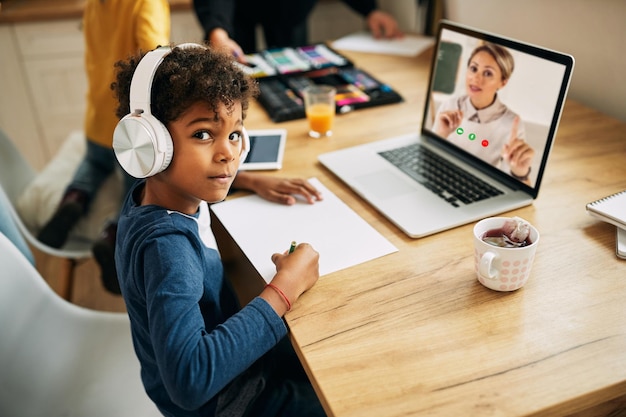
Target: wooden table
(414, 333)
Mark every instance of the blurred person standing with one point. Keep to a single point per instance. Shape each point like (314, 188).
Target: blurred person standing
(113, 31)
(231, 24)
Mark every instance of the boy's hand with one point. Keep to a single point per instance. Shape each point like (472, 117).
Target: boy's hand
(296, 272)
(278, 190)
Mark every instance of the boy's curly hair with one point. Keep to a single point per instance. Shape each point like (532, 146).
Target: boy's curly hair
(187, 76)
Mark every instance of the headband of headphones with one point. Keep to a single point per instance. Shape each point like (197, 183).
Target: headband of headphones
(141, 84)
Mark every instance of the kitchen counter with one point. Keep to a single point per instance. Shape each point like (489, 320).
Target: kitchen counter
(14, 11)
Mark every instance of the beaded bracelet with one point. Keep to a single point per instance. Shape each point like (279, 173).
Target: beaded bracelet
(282, 294)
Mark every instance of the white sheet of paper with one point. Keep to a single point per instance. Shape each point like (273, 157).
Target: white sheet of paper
(409, 45)
(261, 228)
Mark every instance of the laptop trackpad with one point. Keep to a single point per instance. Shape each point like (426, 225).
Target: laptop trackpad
(384, 184)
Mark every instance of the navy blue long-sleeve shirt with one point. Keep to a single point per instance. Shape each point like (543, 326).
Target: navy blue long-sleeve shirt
(189, 334)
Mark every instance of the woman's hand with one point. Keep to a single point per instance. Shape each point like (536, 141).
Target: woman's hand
(447, 122)
(518, 153)
(277, 190)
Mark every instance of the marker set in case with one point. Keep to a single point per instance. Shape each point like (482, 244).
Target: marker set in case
(284, 73)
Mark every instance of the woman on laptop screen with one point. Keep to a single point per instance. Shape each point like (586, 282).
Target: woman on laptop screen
(496, 133)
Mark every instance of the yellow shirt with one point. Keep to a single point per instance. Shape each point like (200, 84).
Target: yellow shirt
(114, 30)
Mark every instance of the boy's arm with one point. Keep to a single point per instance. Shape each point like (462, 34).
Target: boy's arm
(276, 189)
(185, 340)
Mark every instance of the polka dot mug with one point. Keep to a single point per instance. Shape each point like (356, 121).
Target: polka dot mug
(502, 268)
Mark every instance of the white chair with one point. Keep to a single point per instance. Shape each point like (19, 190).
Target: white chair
(59, 359)
(15, 176)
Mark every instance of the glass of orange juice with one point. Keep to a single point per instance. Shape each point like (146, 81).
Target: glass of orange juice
(319, 104)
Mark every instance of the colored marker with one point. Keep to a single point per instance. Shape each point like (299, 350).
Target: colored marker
(292, 247)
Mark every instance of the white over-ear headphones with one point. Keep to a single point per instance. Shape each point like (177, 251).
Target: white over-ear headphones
(142, 144)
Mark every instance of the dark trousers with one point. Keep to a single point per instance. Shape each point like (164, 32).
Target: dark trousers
(289, 392)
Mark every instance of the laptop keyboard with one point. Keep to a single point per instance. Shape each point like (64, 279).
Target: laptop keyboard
(439, 175)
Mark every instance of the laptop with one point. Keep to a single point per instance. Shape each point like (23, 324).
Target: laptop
(491, 114)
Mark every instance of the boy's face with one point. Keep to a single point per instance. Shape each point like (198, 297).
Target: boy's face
(207, 148)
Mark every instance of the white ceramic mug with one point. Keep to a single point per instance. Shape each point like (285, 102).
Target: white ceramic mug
(499, 268)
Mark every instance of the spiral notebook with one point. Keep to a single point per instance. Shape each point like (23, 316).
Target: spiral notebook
(611, 209)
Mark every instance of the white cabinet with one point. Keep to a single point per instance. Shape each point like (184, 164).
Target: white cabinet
(52, 60)
(43, 82)
(17, 118)
(37, 107)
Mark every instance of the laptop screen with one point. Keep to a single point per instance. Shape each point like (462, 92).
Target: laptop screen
(497, 100)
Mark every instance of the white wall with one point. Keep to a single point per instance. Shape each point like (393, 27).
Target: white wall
(593, 31)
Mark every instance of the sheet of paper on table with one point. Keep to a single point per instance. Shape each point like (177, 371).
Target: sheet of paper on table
(261, 228)
(409, 45)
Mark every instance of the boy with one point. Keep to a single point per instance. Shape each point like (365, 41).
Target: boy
(200, 353)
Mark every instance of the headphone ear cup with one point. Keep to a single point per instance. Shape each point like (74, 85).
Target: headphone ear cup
(245, 147)
(142, 144)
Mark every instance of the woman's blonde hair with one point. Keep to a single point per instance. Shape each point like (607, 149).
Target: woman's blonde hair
(502, 56)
